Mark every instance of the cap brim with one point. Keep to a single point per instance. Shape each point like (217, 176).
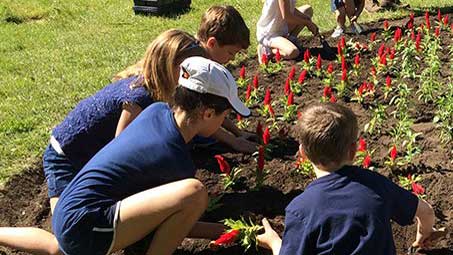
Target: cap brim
(239, 106)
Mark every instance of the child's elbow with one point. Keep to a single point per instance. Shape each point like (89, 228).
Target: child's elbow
(424, 209)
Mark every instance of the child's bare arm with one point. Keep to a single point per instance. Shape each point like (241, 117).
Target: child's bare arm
(425, 220)
(129, 113)
(296, 17)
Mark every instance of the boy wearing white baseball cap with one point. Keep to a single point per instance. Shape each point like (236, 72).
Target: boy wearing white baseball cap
(143, 181)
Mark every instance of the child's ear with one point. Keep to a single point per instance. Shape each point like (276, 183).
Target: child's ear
(208, 113)
(211, 42)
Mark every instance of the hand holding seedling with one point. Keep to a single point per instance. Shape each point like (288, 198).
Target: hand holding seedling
(269, 239)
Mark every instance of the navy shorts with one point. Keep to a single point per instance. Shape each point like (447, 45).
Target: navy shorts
(93, 233)
(58, 170)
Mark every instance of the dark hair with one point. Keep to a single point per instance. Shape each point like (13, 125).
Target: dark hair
(190, 101)
(326, 132)
(226, 24)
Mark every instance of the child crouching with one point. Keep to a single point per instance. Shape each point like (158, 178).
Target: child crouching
(347, 209)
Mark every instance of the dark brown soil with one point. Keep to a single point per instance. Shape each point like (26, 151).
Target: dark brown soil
(23, 201)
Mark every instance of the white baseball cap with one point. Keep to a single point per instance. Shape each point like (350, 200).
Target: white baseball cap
(206, 76)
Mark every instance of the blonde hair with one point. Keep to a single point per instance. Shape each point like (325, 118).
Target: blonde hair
(326, 132)
(156, 70)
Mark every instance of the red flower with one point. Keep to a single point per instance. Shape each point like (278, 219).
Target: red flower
(266, 136)
(271, 110)
(261, 158)
(330, 68)
(267, 97)
(437, 32)
(428, 24)
(386, 25)
(223, 164)
(307, 56)
(264, 59)
(357, 60)
(417, 189)
(344, 75)
(381, 49)
(248, 92)
(388, 81)
(393, 153)
(302, 76)
(259, 129)
(439, 15)
(418, 41)
(397, 35)
(255, 81)
(412, 35)
(278, 57)
(292, 73)
(287, 87)
(339, 49)
(228, 238)
(299, 115)
(332, 99)
(318, 62)
(238, 117)
(242, 72)
(344, 66)
(392, 53)
(327, 92)
(373, 37)
(373, 70)
(445, 20)
(342, 42)
(383, 60)
(290, 99)
(362, 88)
(366, 161)
(362, 144)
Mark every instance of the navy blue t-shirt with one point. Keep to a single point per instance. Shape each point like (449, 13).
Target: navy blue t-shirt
(149, 153)
(92, 123)
(347, 212)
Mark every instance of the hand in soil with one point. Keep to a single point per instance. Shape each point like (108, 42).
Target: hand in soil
(427, 241)
(243, 145)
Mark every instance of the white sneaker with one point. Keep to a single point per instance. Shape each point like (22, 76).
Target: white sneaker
(261, 49)
(356, 28)
(337, 32)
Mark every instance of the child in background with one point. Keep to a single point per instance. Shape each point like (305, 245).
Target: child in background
(351, 8)
(142, 181)
(279, 25)
(347, 209)
(223, 33)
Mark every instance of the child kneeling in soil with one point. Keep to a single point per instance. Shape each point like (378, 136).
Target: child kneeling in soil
(347, 209)
(350, 8)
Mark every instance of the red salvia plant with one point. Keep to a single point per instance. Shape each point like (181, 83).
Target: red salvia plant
(329, 79)
(410, 23)
(248, 92)
(332, 99)
(411, 182)
(266, 136)
(230, 176)
(318, 66)
(260, 171)
(363, 156)
(412, 35)
(388, 86)
(307, 60)
(287, 89)
(342, 86)
(292, 73)
(264, 59)
(427, 22)
(241, 231)
(373, 37)
(255, 81)
(344, 65)
(227, 238)
(303, 166)
(270, 67)
(356, 65)
(418, 41)
(387, 31)
(278, 57)
(296, 87)
(259, 129)
(437, 32)
(326, 94)
(242, 81)
(445, 20)
(366, 161)
(339, 51)
(290, 108)
(398, 35)
(386, 25)
(241, 122)
(392, 159)
(267, 97)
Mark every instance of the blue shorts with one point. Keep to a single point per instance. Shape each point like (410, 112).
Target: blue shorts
(58, 170)
(92, 233)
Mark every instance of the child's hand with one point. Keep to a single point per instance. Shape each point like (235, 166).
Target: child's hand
(270, 239)
(249, 136)
(243, 145)
(427, 238)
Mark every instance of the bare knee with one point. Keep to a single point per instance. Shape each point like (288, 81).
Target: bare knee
(196, 193)
(291, 53)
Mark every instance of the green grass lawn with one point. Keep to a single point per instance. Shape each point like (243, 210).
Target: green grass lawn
(55, 53)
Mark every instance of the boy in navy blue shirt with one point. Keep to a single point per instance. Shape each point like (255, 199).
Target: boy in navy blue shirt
(347, 209)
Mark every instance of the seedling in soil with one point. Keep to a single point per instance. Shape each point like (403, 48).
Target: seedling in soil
(260, 174)
(444, 115)
(270, 67)
(230, 176)
(388, 86)
(290, 109)
(304, 166)
(239, 230)
(330, 76)
(242, 81)
(378, 118)
(366, 89)
(241, 122)
(411, 183)
(342, 87)
(308, 61)
(296, 87)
